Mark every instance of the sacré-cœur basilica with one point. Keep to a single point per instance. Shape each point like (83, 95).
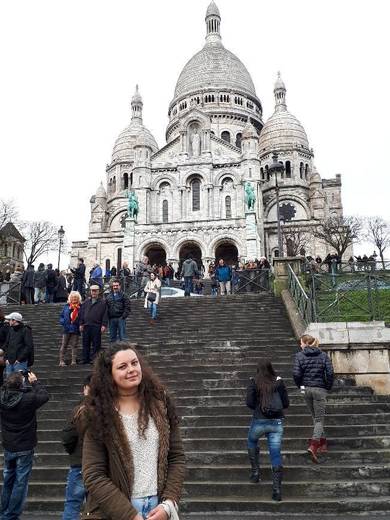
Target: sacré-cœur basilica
(191, 195)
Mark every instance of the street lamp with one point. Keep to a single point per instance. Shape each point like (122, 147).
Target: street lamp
(61, 234)
(276, 168)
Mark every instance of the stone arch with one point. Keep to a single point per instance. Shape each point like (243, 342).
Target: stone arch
(163, 178)
(188, 238)
(121, 213)
(224, 175)
(225, 238)
(193, 175)
(148, 243)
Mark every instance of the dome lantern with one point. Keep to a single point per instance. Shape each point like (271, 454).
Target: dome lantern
(213, 23)
(280, 94)
(136, 105)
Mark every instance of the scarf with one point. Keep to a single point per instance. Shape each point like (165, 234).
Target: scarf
(74, 311)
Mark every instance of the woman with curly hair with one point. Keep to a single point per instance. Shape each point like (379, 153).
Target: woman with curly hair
(133, 459)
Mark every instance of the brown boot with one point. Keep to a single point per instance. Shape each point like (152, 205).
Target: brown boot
(323, 447)
(313, 449)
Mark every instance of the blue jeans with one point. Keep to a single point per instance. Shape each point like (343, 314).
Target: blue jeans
(153, 310)
(74, 494)
(14, 367)
(188, 284)
(49, 294)
(117, 328)
(145, 505)
(16, 472)
(273, 431)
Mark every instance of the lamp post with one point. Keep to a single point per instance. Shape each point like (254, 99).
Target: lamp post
(276, 168)
(61, 234)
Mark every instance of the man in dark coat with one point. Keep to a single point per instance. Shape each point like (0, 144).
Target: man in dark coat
(118, 304)
(28, 284)
(18, 405)
(93, 321)
(79, 277)
(51, 283)
(19, 345)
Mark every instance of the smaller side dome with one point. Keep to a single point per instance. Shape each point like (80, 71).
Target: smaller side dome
(101, 192)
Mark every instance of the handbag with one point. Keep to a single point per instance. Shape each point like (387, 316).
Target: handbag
(151, 297)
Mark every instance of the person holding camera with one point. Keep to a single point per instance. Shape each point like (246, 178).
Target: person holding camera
(19, 345)
(19, 402)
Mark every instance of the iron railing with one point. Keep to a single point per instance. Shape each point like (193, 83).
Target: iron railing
(10, 293)
(341, 295)
(251, 280)
(302, 300)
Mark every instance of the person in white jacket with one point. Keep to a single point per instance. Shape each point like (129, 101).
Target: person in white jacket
(152, 298)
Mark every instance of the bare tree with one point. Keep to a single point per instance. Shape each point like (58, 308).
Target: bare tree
(339, 232)
(296, 239)
(8, 212)
(41, 237)
(378, 233)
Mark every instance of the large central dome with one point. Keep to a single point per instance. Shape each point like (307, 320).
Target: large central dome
(214, 67)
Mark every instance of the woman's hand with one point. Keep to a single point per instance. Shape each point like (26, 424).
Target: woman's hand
(158, 513)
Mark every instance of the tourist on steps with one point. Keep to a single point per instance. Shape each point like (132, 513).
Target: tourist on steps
(152, 298)
(93, 322)
(133, 459)
(18, 405)
(70, 322)
(267, 397)
(189, 269)
(223, 273)
(72, 440)
(313, 373)
(118, 305)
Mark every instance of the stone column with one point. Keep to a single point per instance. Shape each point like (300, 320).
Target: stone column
(252, 236)
(129, 242)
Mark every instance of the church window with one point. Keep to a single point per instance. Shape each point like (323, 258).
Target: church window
(225, 136)
(165, 211)
(195, 185)
(306, 171)
(125, 180)
(249, 104)
(266, 172)
(228, 207)
(107, 264)
(262, 174)
(238, 140)
(288, 169)
(301, 170)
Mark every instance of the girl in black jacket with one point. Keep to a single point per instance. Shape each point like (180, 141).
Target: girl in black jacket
(313, 373)
(267, 397)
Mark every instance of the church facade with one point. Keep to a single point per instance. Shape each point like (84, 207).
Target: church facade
(210, 190)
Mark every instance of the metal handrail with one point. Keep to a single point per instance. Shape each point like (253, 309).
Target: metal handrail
(303, 302)
(12, 298)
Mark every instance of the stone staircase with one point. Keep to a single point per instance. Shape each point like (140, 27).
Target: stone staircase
(205, 350)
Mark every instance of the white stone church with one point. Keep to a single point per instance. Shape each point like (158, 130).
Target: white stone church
(190, 192)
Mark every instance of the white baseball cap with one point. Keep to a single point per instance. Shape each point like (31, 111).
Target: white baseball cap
(14, 316)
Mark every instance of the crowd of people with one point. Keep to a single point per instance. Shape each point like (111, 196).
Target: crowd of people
(332, 263)
(126, 457)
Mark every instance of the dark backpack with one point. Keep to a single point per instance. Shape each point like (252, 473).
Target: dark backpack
(274, 407)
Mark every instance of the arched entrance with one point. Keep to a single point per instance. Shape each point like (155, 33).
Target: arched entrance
(228, 251)
(156, 254)
(191, 248)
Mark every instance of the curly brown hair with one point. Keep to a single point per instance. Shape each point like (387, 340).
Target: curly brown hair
(101, 401)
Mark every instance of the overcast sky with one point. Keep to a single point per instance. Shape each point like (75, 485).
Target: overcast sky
(69, 69)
